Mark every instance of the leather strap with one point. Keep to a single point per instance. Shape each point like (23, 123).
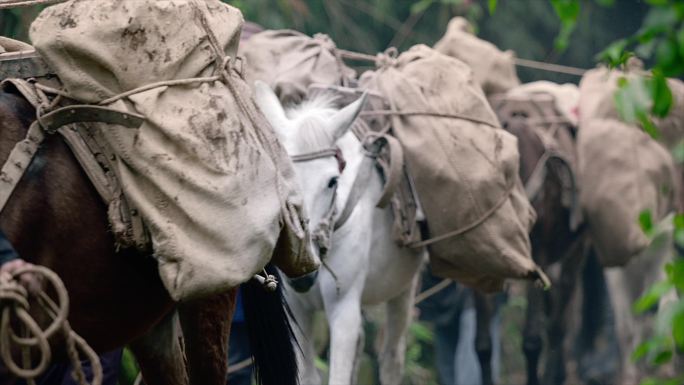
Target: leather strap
(18, 161)
(63, 116)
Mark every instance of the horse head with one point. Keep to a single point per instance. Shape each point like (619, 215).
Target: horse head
(309, 133)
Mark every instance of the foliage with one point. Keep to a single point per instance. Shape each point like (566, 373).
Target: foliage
(660, 40)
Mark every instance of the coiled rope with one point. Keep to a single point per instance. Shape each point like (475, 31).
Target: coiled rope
(15, 306)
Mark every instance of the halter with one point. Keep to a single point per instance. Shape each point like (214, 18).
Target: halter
(322, 234)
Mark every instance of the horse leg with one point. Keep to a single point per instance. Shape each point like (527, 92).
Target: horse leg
(399, 310)
(160, 355)
(532, 341)
(624, 323)
(206, 329)
(554, 373)
(483, 337)
(344, 317)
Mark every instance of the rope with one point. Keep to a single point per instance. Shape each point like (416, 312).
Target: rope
(432, 291)
(549, 67)
(240, 365)
(26, 3)
(428, 113)
(15, 305)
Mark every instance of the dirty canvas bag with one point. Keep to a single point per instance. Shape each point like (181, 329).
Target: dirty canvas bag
(464, 168)
(214, 187)
(290, 61)
(493, 69)
(624, 173)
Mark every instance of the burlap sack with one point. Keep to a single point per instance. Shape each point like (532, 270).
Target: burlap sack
(623, 173)
(214, 187)
(290, 61)
(493, 69)
(465, 169)
(565, 96)
(598, 88)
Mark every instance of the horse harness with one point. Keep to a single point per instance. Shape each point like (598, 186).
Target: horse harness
(79, 125)
(556, 133)
(372, 144)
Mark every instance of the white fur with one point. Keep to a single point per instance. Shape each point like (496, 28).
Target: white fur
(366, 265)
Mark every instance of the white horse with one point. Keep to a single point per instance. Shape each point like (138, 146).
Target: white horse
(364, 266)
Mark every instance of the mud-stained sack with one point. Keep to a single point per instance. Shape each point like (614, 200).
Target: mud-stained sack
(290, 61)
(623, 173)
(493, 69)
(214, 187)
(464, 166)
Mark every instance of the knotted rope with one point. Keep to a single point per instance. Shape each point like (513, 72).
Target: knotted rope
(15, 306)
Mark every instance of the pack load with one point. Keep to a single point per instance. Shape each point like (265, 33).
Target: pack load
(493, 69)
(463, 165)
(290, 61)
(624, 173)
(545, 112)
(213, 186)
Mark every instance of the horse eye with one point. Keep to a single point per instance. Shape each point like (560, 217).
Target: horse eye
(333, 182)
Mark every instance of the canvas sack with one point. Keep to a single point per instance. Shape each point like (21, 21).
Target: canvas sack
(493, 69)
(290, 61)
(215, 189)
(598, 88)
(464, 167)
(623, 172)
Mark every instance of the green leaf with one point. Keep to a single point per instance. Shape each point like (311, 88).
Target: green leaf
(648, 125)
(492, 6)
(678, 329)
(675, 273)
(567, 11)
(661, 94)
(642, 350)
(680, 39)
(649, 299)
(662, 357)
(615, 54)
(646, 221)
(633, 102)
(668, 58)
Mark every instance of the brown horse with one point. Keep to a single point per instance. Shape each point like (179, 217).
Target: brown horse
(56, 218)
(556, 236)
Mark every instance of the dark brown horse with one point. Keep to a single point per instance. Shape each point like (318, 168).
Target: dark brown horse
(546, 147)
(56, 218)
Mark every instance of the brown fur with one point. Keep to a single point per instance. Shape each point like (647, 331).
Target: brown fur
(56, 218)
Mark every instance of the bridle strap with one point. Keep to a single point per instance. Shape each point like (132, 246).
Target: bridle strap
(328, 152)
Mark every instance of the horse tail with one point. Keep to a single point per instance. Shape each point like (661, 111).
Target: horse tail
(270, 334)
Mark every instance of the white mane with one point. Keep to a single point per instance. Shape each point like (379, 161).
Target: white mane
(308, 118)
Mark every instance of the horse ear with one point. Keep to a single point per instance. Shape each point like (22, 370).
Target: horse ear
(342, 121)
(269, 104)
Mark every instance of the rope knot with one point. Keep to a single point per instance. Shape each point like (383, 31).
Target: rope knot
(11, 292)
(325, 41)
(387, 58)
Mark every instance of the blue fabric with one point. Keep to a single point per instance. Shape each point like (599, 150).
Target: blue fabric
(60, 374)
(239, 315)
(7, 252)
